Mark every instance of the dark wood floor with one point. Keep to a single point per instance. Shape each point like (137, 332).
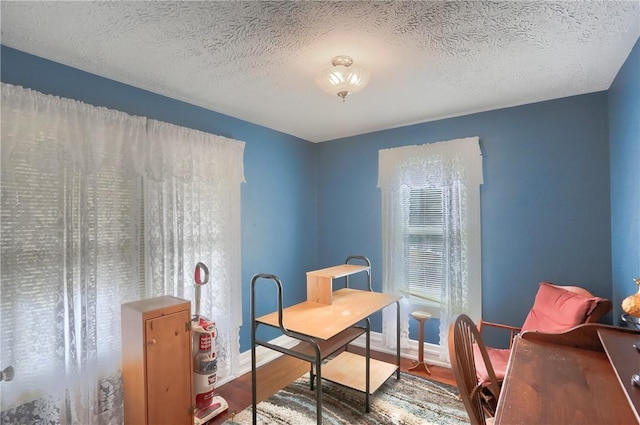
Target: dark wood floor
(238, 392)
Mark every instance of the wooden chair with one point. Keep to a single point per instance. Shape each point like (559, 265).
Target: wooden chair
(555, 309)
(479, 400)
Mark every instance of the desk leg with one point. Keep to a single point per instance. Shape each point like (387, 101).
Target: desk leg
(318, 390)
(254, 376)
(312, 378)
(368, 367)
(398, 339)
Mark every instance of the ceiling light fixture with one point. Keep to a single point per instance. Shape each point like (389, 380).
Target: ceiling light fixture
(343, 78)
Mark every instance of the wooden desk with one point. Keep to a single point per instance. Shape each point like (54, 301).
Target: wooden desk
(625, 361)
(565, 379)
(324, 321)
(323, 329)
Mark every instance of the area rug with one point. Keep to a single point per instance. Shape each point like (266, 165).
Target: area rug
(409, 401)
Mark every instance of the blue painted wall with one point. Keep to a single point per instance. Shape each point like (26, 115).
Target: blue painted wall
(279, 214)
(544, 201)
(624, 139)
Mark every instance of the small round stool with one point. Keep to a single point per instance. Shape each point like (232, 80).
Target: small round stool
(421, 317)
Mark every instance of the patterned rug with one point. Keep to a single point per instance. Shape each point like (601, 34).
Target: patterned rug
(409, 401)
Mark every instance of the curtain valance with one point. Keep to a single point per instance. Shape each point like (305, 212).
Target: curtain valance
(432, 164)
(144, 147)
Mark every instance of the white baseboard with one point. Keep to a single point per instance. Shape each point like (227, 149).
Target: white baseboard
(410, 351)
(265, 355)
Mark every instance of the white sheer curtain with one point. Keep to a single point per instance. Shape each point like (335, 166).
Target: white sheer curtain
(455, 168)
(73, 176)
(192, 215)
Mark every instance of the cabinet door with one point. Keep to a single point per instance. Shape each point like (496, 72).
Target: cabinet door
(168, 342)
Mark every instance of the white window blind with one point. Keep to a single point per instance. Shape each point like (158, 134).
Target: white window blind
(423, 244)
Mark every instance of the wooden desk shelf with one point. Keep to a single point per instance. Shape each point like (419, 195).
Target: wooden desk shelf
(320, 282)
(324, 321)
(325, 324)
(348, 369)
(331, 345)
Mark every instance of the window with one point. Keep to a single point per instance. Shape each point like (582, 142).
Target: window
(431, 231)
(423, 245)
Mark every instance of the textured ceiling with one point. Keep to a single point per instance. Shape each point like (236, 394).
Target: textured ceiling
(257, 61)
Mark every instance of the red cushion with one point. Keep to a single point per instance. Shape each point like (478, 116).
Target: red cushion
(499, 358)
(557, 310)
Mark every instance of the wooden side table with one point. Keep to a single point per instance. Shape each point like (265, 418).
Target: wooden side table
(421, 317)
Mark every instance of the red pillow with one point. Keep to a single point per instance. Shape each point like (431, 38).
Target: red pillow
(557, 310)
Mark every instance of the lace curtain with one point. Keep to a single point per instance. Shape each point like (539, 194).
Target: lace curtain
(193, 215)
(455, 168)
(73, 245)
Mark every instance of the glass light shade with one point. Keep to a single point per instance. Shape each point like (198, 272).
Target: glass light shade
(342, 79)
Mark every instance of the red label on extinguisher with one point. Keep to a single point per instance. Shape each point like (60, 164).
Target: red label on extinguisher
(205, 342)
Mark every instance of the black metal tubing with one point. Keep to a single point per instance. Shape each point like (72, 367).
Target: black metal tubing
(254, 394)
(366, 260)
(254, 326)
(367, 366)
(398, 339)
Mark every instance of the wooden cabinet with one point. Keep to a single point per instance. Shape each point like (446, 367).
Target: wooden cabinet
(156, 362)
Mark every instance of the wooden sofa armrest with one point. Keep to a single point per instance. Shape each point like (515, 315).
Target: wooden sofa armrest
(583, 336)
(513, 330)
